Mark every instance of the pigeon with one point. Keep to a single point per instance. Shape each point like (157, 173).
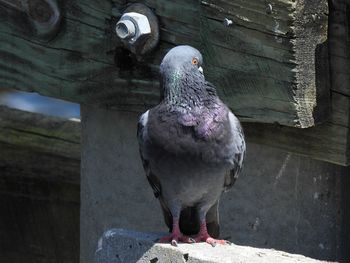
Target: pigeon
(192, 149)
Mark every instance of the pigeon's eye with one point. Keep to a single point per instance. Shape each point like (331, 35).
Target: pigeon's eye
(194, 61)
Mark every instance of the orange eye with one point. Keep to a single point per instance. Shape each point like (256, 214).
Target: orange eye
(194, 61)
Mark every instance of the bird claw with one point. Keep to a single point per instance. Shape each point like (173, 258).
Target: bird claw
(191, 240)
(174, 239)
(174, 243)
(212, 241)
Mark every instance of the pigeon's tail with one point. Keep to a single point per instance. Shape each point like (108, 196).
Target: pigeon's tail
(189, 223)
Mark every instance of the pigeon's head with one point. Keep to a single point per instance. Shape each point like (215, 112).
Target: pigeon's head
(181, 61)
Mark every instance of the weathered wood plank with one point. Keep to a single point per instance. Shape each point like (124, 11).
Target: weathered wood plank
(311, 29)
(339, 42)
(324, 142)
(263, 65)
(329, 141)
(55, 137)
(39, 188)
(39, 133)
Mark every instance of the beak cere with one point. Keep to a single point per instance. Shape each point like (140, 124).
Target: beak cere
(200, 70)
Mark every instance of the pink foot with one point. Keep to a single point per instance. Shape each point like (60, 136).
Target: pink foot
(203, 236)
(174, 238)
(210, 240)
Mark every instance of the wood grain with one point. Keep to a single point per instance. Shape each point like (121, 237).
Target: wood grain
(40, 133)
(264, 73)
(56, 137)
(329, 141)
(263, 65)
(39, 188)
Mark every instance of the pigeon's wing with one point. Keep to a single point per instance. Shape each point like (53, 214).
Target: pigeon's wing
(142, 138)
(239, 149)
(151, 177)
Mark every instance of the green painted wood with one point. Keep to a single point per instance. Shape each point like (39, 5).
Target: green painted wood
(263, 65)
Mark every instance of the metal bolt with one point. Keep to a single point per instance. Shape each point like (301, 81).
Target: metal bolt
(228, 22)
(132, 26)
(44, 16)
(137, 29)
(125, 29)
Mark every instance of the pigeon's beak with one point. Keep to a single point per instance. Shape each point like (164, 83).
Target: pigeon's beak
(200, 70)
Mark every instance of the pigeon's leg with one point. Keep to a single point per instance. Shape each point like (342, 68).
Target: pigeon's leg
(203, 235)
(176, 235)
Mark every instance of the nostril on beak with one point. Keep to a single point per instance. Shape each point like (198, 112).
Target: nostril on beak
(200, 70)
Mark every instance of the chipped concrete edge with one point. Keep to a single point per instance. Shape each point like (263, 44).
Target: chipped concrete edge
(121, 245)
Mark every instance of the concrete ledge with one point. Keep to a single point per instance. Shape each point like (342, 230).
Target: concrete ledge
(120, 245)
